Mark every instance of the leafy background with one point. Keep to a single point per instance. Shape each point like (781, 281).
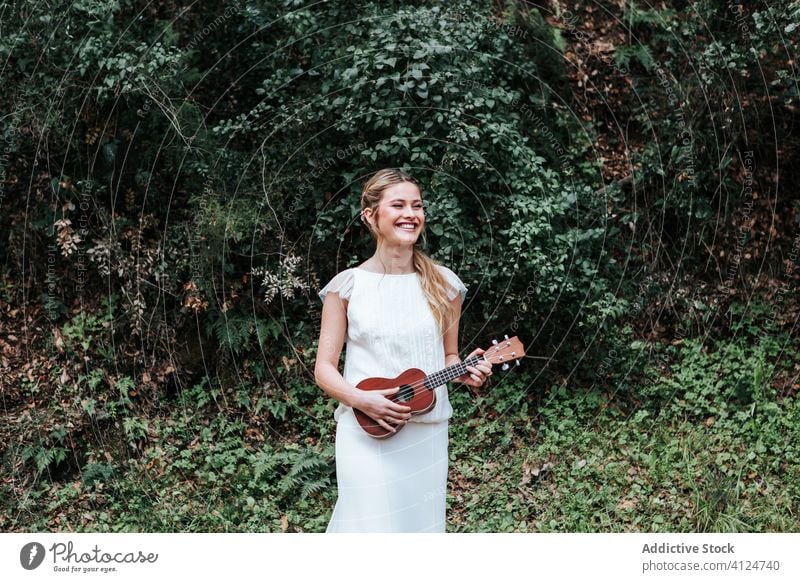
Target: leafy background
(614, 182)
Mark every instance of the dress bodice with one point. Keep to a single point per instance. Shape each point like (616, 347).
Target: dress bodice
(390, 328)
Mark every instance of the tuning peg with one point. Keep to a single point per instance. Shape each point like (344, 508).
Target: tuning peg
(506, 336)
(517, 362)
(494, 342)
(504, 367)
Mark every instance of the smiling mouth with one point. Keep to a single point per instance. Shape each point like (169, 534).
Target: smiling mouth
(407, 226)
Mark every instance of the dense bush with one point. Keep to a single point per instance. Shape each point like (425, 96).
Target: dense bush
(717, 95)
(268, 157)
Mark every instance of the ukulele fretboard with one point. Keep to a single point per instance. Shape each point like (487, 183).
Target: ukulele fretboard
(450, 372)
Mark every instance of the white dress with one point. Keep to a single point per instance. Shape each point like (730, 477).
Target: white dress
(397, 484)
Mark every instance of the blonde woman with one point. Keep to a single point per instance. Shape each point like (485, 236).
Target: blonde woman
(397, 310)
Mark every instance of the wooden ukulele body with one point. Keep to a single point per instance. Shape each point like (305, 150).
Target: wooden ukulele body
(416, 389)
(413, 392)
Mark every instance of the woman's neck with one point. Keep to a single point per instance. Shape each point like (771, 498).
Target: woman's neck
(393, 260)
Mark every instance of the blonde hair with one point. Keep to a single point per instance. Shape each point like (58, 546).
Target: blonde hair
(433, 283)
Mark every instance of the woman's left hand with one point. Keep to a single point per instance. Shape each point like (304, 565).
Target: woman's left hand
(476, 375)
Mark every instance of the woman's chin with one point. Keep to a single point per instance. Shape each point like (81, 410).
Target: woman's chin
(407, 242)
(403, 238)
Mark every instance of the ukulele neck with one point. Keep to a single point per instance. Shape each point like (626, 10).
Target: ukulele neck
(450, 372)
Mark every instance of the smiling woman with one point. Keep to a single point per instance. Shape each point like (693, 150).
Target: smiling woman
(397, 310)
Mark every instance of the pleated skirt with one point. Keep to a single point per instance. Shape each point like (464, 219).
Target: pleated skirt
(392, 485)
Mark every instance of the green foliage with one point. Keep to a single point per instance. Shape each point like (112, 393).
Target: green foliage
(47, 453)
(239, 333)
(203, 174)
(473, 101)
(243, 489)
(88, 330)
(522, 458)
(434, 89)
(97, 473)
(303, 472)
(703, 443)
(729, 380)
(710, 53)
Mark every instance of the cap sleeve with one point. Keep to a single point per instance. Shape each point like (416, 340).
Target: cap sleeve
(455, 285)
(341, 284)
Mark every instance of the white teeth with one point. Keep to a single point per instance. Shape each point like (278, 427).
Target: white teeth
(407, 226)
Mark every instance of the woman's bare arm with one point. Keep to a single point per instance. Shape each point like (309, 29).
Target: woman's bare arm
(450, 335)
(331, 339)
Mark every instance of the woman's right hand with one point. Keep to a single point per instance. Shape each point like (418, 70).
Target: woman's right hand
(374, 404)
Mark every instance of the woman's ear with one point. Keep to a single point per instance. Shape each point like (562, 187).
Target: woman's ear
(367, 216)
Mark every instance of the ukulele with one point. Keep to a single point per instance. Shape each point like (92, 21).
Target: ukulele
(416, 388)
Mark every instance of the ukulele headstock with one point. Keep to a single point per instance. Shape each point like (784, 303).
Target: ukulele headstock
(504, 351)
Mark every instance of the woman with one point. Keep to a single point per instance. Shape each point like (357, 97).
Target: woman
(397, 310)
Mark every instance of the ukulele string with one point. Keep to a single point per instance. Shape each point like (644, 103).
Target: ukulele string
(415, 386)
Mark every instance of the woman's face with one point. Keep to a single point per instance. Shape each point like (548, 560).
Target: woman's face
(400, 216)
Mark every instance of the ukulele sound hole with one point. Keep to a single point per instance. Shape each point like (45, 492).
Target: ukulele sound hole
(405, 394)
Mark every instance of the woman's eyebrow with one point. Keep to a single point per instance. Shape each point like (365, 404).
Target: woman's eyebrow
(403, 200)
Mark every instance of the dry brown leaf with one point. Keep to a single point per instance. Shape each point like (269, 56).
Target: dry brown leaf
(526, 473)
(59, 340)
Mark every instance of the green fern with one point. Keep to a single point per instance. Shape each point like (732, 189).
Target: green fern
(47, 453)
(97, 473)
(624, 55)
(234, 331)
(43, 456)
(265, 464)
(305, 471)
(231, 331)
(652, 17)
